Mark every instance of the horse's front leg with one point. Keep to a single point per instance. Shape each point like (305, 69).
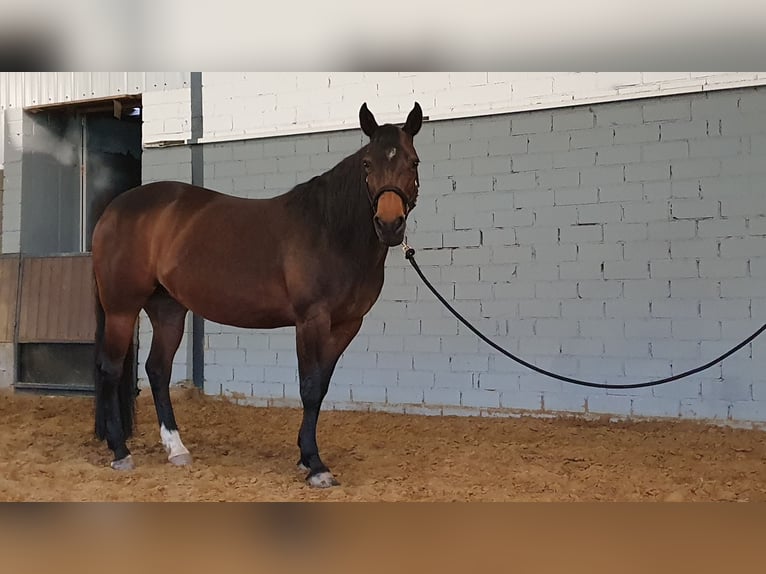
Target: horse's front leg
(319, 345)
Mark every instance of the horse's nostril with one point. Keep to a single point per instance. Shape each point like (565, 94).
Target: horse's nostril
(378, 222)
(398, 224)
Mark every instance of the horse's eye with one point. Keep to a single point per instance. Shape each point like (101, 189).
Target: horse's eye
(416, 163)
(366, 164)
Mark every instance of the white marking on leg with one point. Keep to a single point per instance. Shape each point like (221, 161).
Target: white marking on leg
(171, 440)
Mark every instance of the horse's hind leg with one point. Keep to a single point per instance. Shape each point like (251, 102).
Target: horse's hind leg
(115, 399)
(167, 316)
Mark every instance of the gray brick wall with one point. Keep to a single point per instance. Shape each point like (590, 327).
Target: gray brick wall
(613, 242)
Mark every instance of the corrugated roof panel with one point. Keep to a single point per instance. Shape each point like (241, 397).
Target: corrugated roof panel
(100, 85)
(15, 91)
(176, 80)
(48, 88)
(118, 83)
(64, 87)
(32, 88)
(28, 89)
(82, 85)
(136, 82)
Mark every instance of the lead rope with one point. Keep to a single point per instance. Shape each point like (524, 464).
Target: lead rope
(409, 255)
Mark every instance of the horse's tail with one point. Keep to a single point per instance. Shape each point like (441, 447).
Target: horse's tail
(97, 374)
(128, 390)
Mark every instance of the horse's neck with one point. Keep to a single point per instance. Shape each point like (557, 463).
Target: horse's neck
(335, 207)
(349, 226)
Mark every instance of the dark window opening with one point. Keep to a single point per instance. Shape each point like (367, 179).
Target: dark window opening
(76, 158)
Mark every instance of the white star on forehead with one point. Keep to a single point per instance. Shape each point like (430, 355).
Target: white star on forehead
(390, 153)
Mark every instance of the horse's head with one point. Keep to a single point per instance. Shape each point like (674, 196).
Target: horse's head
(390, 165)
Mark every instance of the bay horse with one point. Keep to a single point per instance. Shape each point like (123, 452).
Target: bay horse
(312, 258)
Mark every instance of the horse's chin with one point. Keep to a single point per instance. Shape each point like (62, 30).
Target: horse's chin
(391, 240)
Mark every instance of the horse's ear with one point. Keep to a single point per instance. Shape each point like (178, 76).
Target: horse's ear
(367, 121)
(414, 120)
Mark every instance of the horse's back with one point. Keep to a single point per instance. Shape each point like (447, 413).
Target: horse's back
(148, 198)
(157, 212)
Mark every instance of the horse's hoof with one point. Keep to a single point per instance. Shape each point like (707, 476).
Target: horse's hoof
(322, 480)
(123, 464)
(183, 459)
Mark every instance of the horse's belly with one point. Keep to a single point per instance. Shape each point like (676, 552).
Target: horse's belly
(252, 319)
(249, 315)
(255, 304)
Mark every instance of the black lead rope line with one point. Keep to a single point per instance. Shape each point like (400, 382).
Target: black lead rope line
(409, 254)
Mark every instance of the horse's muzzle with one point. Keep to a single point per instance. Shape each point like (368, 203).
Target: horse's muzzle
(390, 233)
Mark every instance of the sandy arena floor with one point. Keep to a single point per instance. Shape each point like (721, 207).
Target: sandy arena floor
(48, 452)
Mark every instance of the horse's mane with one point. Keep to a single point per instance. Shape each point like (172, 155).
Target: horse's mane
(336, 203)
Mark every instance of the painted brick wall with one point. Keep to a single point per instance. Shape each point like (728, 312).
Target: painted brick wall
(616, 242)
(258, 104)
